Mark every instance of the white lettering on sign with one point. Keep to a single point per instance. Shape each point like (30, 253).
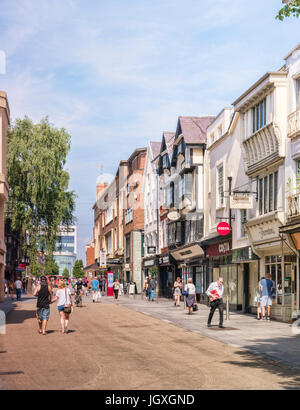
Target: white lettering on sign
(224, 247)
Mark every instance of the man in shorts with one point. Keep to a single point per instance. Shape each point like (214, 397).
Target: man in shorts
(266, 287)
(95, 288)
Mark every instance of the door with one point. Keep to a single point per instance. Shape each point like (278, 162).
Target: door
(246, 302)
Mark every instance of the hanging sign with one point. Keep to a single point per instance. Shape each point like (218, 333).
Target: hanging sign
(241, 201)
(223, 228)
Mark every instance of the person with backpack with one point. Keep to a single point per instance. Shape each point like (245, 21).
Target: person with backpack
(266, 288)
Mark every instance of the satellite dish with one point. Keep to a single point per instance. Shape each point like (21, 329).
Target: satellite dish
(174, 215)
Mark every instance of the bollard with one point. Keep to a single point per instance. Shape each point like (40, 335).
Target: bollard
(227, 308)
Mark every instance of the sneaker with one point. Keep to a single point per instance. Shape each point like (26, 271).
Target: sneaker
(258, 318)
(221, 327)
(264, 318)
(209, 325)
(268, 318)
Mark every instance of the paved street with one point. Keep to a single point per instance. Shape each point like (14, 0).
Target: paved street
(115, 347)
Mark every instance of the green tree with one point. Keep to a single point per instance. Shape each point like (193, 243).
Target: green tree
(39, 200)
(78, 269)
(51, 267)
(291, 8)
(66, 273)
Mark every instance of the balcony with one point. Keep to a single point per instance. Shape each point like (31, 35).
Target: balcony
(262, 148)
(294, 124)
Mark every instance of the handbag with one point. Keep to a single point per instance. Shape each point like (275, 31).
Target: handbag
(195, 307)
(185, 292)
(67, 308)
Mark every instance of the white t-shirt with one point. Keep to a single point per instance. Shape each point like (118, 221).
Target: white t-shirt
(191, 288)
(18, 284)
(62, 299)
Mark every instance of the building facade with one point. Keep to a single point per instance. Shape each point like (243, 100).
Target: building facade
(4, 124)
(65, 253)
(151, 214)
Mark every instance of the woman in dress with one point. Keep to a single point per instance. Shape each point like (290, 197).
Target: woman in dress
(177, 291)
(64, 305)
(191, 297)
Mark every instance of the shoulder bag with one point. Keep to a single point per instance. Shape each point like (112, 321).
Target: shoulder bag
(67, 308)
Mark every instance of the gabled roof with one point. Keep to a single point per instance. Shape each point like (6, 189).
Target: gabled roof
(193, 129)
(155, 148)
(167, 142)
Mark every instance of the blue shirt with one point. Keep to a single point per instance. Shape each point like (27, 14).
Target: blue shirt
(266, 284)
(95, 284)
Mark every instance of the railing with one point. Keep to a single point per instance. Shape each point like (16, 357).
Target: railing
(294, 124)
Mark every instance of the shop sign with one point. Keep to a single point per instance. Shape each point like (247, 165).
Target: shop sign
(241, 201)
(102, 259)
(265, 231)
(223, 228)
(164, 260)
(151, 249)
(218, 249)
(149, 263)
(243, 255)
(224, 247)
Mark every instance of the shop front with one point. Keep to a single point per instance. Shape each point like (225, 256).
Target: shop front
(190, 259)
(219, 255)
(115, 266)
(279, 260)
(150, 267)
(167, 274)
(248, 263)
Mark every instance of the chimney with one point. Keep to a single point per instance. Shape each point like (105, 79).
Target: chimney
(101, 186)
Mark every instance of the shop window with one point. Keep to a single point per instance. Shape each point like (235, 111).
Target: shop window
(273, 267)
(220, 186)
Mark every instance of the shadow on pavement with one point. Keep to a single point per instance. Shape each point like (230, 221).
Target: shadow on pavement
(20, 316)
(285, 368)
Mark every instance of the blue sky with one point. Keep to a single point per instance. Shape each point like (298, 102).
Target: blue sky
(117, 73)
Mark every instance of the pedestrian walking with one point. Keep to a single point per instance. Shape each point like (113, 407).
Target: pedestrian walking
(11, 289)
(266, 287)
(151, 288)
(116, 289)
(95, 289)
(24, 286)
(64, 305)
(44, 294)
(85, 286)
(257, 301)
(190, 290)
(215, 293)
(177, 291)
(146, 287)
(18, 287)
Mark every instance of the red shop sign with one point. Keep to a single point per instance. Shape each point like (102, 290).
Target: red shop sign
(223, 228)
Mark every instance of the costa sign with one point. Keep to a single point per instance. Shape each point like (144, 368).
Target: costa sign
(223, 228)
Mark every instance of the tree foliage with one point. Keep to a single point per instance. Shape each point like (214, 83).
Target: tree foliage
(39, 200)
(51, 267)
(291, 8)
(78, 269)
(66, 273)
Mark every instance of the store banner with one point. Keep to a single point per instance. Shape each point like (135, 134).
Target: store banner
(109, 282)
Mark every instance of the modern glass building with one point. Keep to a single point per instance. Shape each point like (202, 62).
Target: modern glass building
(66, 248)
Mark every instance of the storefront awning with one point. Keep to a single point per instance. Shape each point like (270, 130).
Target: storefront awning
(188, 252)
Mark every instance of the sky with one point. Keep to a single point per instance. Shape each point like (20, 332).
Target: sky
(117, 73)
